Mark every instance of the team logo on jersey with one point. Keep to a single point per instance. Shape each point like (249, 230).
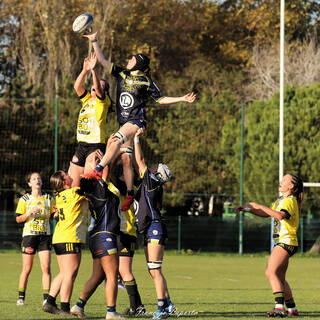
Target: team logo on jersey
(155, 232)
(126, 100)
(109, 239)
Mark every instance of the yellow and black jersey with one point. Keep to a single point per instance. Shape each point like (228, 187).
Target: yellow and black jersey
(40, 224)
(127, 224)
(92, 124)
(74, 217)
(127, 218)
(285, 230)
(133, 92)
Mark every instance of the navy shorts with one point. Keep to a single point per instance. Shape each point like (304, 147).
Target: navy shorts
(126, 244)
(84, 149)
(156, 233)
(32, 244)
(139, 123)
(103, 244)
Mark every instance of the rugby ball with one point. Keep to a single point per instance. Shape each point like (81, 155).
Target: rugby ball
(82, 22)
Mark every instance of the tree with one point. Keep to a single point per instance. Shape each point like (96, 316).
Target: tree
(301, 133)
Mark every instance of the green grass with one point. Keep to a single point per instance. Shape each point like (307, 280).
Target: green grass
(217, 286)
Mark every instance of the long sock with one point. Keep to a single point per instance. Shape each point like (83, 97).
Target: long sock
(168, 300)
(279, 300)
(65, 306)
(80, 303)
(133, 293)
(291, 305)
(45, 294)
(22, 293)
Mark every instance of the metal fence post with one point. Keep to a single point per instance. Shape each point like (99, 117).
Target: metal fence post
(179, 233)
(301, 233)
(241, 183)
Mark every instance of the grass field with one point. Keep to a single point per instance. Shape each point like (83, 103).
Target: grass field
(215, 286)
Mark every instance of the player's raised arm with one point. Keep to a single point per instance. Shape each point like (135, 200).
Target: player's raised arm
(190, 98)
(78, 85)
(104, 62)
(96, 82)
(138, 152)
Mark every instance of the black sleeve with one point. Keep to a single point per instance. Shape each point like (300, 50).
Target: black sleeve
(288, 215)
(84, 94)
(116, 70)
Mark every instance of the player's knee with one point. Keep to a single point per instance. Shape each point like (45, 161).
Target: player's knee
(154, 268)
(268, 273)
(127, 152)
(121, 137)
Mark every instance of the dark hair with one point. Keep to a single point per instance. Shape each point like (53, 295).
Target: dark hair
(28, 176)
(86, 185)
(297, 190)
(56, 182)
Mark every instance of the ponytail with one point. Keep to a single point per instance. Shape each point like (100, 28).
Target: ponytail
(297, 190)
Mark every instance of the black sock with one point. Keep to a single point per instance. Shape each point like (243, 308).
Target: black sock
(65, 306)
(21, 293)
(290, 303)
(80, 303)
(51, 300)
(45, 294)
(279, 297)
(130, 192)
(133, 293)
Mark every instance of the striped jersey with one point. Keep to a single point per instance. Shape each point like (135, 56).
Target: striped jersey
(39, 225)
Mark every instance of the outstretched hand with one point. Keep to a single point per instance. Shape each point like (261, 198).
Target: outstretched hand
(92, 60)
(92, 36)
(112, 139)
(140, 132)
(86, 64)
(190, 97)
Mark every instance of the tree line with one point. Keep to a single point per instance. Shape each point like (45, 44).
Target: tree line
(227, 51)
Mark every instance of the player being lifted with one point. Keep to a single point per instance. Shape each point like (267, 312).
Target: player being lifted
(91, 127)
(134, 87)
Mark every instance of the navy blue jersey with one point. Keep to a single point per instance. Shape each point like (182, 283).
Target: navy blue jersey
(148, 201)
(133, 92)
(104, 209)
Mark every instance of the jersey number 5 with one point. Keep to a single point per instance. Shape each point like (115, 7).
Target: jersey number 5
(61, 214)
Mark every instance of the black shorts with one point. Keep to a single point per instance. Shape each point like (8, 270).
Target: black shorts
(156, 233)
(126, 244)
(67, 248)
(32, 244)
(84, 149)
(290, 249)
